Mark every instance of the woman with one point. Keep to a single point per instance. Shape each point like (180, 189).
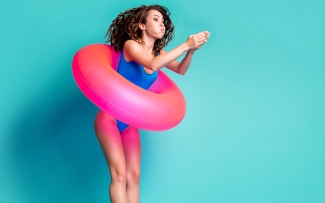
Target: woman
(140, 34)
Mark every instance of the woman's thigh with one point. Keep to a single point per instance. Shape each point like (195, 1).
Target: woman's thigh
(132, 149)
(110, 141)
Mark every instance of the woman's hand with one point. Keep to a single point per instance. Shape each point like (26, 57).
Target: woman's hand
(194, 42)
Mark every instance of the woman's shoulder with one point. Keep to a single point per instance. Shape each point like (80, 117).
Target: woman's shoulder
(131, 44)
(162, 51)
(130, 47)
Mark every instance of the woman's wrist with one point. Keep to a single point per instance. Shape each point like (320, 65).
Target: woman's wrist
(185, 47)
(191, 51)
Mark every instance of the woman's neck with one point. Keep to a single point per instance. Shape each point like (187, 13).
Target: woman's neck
(148, 44)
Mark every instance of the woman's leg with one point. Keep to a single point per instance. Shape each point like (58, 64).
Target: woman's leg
(110, 141)
(132, 151)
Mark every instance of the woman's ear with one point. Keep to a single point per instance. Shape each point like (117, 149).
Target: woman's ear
(142, 26)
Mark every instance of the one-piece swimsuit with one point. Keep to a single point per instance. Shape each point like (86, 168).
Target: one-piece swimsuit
(136, 74)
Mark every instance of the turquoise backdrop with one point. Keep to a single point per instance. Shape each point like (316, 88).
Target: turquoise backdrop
(254, 130)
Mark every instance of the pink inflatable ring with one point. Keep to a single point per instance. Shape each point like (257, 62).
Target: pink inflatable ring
(161, 107)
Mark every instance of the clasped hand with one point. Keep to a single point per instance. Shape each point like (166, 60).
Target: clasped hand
(194, 42)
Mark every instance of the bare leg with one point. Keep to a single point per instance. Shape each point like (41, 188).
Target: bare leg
(110, 141)
(132, 150)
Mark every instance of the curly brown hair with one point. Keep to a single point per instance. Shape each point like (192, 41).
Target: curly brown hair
(126, 26)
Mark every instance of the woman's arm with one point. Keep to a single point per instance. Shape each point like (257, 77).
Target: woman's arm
(136, 53)
(180, 67)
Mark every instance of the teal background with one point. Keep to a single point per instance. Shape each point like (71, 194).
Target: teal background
(254, 130)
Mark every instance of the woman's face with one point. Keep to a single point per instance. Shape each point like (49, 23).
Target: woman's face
(155, 24)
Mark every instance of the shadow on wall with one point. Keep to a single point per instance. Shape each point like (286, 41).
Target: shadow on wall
(55, 153)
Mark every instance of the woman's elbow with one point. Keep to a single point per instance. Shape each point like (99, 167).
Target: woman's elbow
(181, 73)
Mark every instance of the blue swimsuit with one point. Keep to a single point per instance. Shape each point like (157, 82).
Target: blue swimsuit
(135, 73)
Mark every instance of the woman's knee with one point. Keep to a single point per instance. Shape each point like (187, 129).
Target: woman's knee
(119, 176)
(133, 177)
